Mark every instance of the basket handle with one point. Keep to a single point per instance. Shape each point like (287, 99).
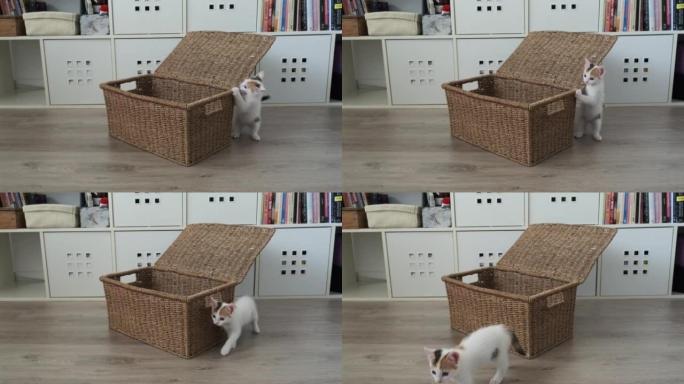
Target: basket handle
(555, 107)
(213, 107)
(555, 300)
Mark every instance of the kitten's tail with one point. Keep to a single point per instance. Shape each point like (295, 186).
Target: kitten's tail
(516, 343)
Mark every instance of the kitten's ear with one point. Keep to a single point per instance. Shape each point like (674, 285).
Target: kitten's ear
(231, 306)
(452, 359)
(587, 64)
(601, 71)
(260, 75)
(214, 304)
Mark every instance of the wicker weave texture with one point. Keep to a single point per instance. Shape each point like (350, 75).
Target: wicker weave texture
(217, 59)
(540, 323)
(173, 324)
(556, 58)
(167, 306)
(558, 251)
(521, 121)
(161, 122)
(227, 251)
(526, 111)
(537, 307)
(184, 111)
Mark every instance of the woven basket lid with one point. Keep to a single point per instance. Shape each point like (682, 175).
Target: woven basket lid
(558, 251)
(217, 251)
(556, 58)
(219, 59)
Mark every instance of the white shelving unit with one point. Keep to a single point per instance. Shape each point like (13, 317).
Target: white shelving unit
(65, 71)
(396, 264)
(66, 263)
(386, 71)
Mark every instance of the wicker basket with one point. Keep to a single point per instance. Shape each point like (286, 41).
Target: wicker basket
(206, 260)
(532, 289)
(525, 112)
(183, 112)
(354, 26)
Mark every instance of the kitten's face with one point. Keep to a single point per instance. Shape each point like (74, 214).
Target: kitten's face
(442, 362)
(254, 85)
(221, 313)
(592, 73)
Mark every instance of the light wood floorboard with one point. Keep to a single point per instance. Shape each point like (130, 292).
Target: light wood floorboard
(412, 149)
(70, 343)
(66, 149)
(616, 342)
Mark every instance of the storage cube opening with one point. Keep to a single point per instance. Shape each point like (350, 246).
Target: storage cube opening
(514, 90)
(175, 283)
(173, 90)
(511, 282)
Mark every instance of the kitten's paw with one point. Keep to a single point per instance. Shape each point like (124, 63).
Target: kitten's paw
(495, 380)
(256, 137)
(598, 137)
(225, 351)
(257, 330)
(579, 135)
(236, 91)
(236, 136)
(578, 92)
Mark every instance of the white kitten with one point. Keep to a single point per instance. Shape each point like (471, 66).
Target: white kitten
(233, 317)
(589, 106)
(488, 344)
(247, 112)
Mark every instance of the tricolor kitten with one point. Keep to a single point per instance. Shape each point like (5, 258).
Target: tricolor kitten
(247, 112)
(488, 344)
(232, 317)
(589, 106)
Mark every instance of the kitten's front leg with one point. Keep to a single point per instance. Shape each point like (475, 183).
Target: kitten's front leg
(225, 350)
(231, 343)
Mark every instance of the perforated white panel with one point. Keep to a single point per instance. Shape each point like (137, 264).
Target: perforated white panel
(417, 262)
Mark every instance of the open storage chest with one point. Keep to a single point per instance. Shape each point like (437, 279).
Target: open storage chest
(183, 112)
(168, 305)
(532, 289)
(525, 112)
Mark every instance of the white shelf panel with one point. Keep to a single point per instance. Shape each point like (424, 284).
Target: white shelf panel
(23, 289)
(366, 291)
(366, 97)
(23, 97)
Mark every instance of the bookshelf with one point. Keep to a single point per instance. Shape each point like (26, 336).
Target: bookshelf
(32, 260)
(375, 73)
(376, 266)
(32, 72)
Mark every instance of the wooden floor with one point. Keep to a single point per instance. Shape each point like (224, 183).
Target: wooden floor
(69, 343)
(64, 149)
(616, 342)
(412, 149)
